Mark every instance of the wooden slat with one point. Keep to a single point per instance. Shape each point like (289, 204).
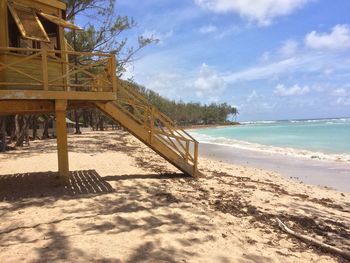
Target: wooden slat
(23, 73)
(45, 70)
(60, 22)
(8, 107)
(47, 5)
(52, 95)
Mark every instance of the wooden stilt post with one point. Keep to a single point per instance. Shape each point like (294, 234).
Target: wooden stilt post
(61, 132)
(4, 41)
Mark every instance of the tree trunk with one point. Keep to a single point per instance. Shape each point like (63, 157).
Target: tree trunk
(18, 129)
(3, 134)
(22, 125)
(46, 128)
(77, 126)
(35, 127)
(11, 128)
(100, 123)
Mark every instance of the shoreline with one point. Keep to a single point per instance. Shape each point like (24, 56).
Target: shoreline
(263, 148)
(324, 173)
(208, 126)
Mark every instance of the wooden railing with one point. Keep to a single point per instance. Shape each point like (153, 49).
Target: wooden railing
(55, 70)
(158, 124)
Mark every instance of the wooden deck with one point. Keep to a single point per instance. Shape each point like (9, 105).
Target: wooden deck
(40, 74)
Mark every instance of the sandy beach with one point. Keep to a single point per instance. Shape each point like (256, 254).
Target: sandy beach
(126, 204)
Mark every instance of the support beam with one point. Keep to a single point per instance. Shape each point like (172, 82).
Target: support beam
(4, 39)
(55, 95)
(12, 107)
(61, 132)
(4, 24)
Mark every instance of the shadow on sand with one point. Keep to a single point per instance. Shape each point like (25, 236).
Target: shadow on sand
(92, 207)
(49, 184)
(99, 207)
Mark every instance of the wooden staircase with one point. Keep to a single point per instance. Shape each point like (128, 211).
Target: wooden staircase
(153, 128)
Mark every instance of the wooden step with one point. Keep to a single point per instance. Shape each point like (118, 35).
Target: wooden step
(116, 113)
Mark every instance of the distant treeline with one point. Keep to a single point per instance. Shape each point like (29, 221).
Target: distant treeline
(190, 113)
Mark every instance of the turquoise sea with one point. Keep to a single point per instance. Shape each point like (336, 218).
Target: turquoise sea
(328, 136)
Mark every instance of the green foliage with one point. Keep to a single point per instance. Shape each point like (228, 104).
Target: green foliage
(188, 113)
(105, 34)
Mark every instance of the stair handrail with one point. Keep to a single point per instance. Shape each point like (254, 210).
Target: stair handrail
(175, 134)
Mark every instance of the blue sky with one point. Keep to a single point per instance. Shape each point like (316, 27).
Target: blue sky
(273, 59)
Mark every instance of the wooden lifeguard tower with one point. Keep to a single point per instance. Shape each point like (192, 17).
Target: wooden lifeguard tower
(41, 73)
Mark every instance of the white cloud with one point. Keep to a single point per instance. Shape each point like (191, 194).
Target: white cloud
(328, 71)
(256, 103)
(288, 48)
(270, 70)
(158, 35)
(261, 11)
(337, 39)
(265, 57)
(231, 30)
(343, 101)
(252, 96)
(310, 62)
(207, 29)
(295, 90)
(340, 92)
(208, 83)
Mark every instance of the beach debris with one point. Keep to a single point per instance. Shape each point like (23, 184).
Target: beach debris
(313, 241)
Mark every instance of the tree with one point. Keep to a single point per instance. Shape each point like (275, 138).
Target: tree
(103, 36)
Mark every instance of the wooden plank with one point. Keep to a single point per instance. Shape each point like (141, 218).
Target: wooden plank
(17, 20)
(44, 5)
(61, 133)
(19, 84)
(91, 54)
(64, 56)
(12, 107)
(25, 107)
(195, 165)
(54, 3)
(45, 70)
(53, 95)
(3, 24)
(4, 41)
(113, 65)
(151, 128)
(59, 21)
(30, 70)
(20, 72)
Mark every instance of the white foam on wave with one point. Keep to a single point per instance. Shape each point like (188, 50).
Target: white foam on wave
(327, 121)
(288, 151)
(258, 122)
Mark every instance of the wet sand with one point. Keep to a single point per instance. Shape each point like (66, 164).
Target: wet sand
(331, 174)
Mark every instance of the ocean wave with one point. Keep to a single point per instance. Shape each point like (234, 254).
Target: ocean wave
(288, 151)
(326, 121)
(258, 122)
